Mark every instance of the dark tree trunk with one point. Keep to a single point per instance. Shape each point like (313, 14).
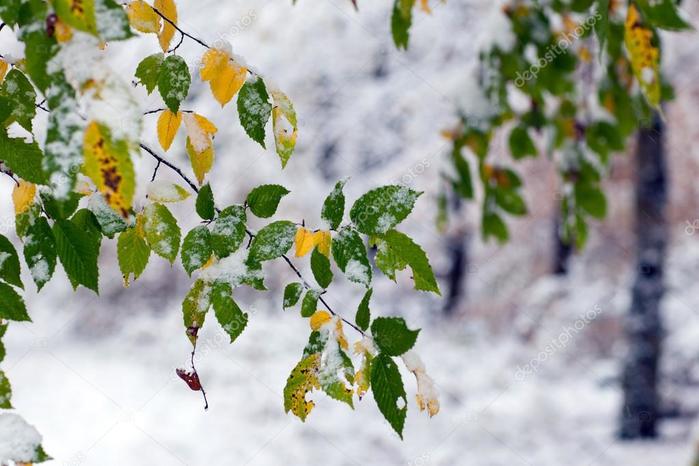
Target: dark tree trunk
(457, 243)
(640, 411)
(562, 248)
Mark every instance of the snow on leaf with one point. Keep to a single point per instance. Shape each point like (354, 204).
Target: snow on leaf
(254, 109)
(427, 396)
(200, 131)
(166, 191)
(174, 81)
(194, 308)
(19, 441)
(142, 17)
(284, 126)
(225, 76)
(161, 231)
(108, 164)
(168, 124)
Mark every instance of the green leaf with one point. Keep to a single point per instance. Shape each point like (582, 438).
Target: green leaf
(292, 294)
(194, 308)
(401, 20)
(23, 158)
(174, 81)
(20, 93)
(254, 109)
(229, 315)
(64, 138)
(403, 252)
(11, 304)
(602, 24)
(320, 266)
(310, 303)
(59, 209)
(9, 11)
(161, 231)
(264, 200)
(334, 206)
(112, 22)
(40, 251)
(392, 335)
(78, 250)
(109, 221)
(350, 255)
(521, 145)
(5, 392)
(493, 226)
(9, 263)
(510, 201)
(464, 184)
(205, 203)
(80, 16)
(39, 48)
(388, 390)
(272, 241)
(228, 231)
(148, 71)
(363, 316)
(383, 208)
(591, 200)
(133, 253)
(663, 14)
(196, 249)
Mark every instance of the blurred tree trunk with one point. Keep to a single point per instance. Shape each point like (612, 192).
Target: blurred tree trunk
(562, 248)
(457, 244)
(641, 408)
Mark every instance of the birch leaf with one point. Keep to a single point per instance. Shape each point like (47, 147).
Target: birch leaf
(143, 18)
(169, 10)
(168, 124)
(225, 76)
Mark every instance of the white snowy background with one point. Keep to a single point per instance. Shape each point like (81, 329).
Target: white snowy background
(95, 375)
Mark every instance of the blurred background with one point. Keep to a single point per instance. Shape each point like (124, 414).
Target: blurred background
(528, 361)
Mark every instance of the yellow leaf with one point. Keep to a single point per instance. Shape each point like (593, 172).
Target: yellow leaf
(168, 9)
(644, 57)
(201, 161)
(225, 76)
(322, 240)
(206, 125)
(108, 164)
(142, 17)
(63, 32)
(319, 319)
(340, 335)
(199, 131)
(284, 126)
(23, 196)
(302, 380)
(3, 68)
(168, 124)
(425, 6)
(305, 241)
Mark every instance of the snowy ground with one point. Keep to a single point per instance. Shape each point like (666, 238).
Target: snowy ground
(528, 372)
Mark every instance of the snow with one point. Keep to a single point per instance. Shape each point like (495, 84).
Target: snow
(199, 139)
(166, 191)
(18, 439)
(357, 271)
(96, 375)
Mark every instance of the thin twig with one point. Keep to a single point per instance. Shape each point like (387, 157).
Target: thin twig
(186, 34)
(286, 258)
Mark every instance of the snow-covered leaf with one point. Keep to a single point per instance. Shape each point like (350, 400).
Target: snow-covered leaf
(272, 241)
(40, 251)
(254, 109)
(334, 206)
(383, 208)
(196, 249)
(174, 81)
(350, 255)
(148, 70)
(161, 231)
(166, 191)
(228, 230)
(284, 126)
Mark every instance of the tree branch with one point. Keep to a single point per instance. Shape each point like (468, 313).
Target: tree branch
(286, 258)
